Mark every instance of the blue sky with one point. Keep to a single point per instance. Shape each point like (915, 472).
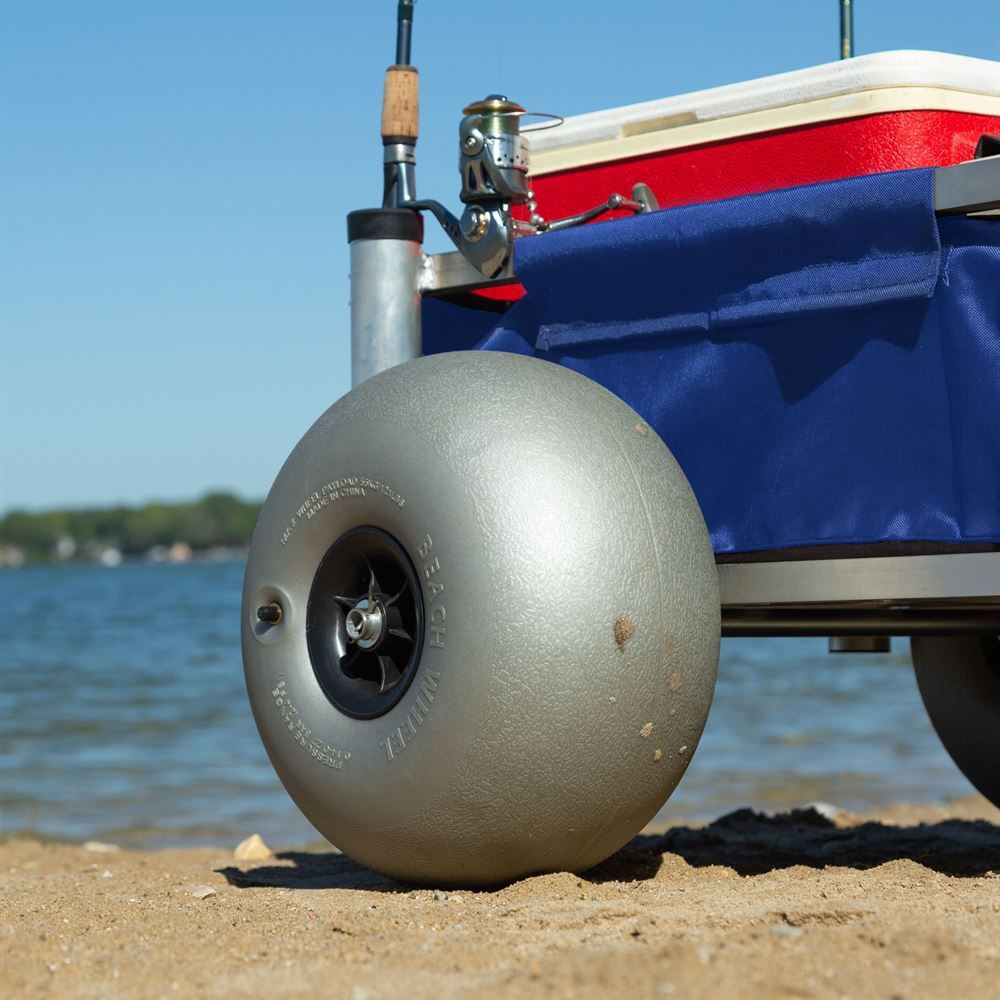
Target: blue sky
(174, 178)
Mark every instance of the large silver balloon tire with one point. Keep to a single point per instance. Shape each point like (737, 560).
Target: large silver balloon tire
(571, 621)
(959, 681)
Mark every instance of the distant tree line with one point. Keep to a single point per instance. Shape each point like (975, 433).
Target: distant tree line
(217, 519)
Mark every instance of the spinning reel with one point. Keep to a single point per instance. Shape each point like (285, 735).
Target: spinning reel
(493, 163)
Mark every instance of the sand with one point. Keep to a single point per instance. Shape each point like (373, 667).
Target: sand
(812, 903)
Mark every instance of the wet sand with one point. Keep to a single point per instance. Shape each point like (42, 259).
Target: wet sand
(902, 903)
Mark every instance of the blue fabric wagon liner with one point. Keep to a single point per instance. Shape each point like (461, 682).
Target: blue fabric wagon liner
(823, 361)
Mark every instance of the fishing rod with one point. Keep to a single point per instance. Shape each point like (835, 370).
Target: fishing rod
(493, 163)
(846, 29)
(401, 116)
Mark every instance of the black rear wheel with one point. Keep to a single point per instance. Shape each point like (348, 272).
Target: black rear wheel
(959, 681)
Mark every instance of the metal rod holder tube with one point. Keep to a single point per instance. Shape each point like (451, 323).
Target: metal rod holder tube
(385, 297)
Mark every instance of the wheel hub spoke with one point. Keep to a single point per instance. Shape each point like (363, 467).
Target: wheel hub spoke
(367, 603)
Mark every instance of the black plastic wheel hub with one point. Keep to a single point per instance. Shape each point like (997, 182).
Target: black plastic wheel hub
(365, 623)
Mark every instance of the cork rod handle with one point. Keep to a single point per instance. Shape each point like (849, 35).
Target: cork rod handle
(401, 105)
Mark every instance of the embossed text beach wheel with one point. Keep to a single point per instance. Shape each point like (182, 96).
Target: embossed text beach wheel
(480, 622)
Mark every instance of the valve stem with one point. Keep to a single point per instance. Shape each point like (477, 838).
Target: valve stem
(269, 614)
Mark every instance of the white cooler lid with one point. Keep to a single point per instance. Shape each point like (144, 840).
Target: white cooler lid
(904, 80)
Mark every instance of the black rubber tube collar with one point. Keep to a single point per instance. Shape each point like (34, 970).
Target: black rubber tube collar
(385, 224)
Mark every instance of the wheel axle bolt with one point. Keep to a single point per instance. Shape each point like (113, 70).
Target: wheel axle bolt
(269, 614)
(364, 625)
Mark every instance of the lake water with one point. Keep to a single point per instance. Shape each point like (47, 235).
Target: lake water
(124, 717)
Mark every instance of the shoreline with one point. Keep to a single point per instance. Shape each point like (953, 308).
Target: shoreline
(969, 807)
(904, 901)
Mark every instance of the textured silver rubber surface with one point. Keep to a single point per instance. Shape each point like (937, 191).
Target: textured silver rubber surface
(959, 680)
(572, 621)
